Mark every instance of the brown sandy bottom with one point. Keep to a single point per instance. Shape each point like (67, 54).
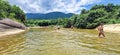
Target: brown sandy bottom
(44, 41)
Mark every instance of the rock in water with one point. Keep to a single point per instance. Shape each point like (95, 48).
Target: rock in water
(12, 23)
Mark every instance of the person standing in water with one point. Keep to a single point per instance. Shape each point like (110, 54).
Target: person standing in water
(72, 27)
(100, 29)
(58, 27)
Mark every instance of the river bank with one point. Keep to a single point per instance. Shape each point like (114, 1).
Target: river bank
(9, 27)
(10, 32)
(39, 27)
(114, 28)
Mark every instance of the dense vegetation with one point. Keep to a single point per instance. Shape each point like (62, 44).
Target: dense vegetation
(88, 19)
(13, 12)
(60, 21)
(107, 14)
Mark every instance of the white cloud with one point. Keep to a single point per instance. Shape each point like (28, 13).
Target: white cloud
(45, 6)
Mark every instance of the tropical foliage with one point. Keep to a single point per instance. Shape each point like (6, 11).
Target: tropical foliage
(9, 11)
(88, 19)
(107, 14)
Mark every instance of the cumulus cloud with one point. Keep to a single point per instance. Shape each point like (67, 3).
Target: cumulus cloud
(45, 6)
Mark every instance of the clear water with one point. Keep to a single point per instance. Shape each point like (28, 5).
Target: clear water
(46, 41)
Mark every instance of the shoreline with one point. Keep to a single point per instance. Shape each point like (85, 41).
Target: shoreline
(37, 27)
(11, 32)
(112, 28)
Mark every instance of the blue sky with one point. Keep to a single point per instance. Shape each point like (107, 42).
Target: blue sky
(66, 6)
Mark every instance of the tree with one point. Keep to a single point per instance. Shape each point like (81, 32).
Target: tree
(83, 11)
(20, 15)
(68, 23)
(13, 12)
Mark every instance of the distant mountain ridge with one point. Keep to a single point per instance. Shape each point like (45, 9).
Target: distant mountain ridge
(51, 15)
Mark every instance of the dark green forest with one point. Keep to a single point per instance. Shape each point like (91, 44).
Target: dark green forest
(87, 19)
(11, 11)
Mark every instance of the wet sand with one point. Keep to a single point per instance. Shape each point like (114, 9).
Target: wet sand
(10, 32)
(115, 28)
(112, 28)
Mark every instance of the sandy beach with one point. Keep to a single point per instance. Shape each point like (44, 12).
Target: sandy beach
(10, 32)
(113, 28)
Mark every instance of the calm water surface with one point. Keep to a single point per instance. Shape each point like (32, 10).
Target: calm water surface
(46, 41)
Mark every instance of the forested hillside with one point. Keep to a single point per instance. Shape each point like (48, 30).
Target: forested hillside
(87, 19)
(11, 11)
(107, 14)
(51, 15)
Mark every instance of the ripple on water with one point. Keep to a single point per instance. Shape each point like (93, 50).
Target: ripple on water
(61, 42)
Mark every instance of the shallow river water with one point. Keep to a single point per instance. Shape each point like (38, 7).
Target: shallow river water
(44, 41)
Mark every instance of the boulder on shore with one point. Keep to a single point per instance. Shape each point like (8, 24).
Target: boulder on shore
(12, 23)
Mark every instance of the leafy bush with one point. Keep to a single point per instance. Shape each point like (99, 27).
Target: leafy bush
(13, 12)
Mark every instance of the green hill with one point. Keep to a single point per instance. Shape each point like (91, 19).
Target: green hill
(51, 15)
(107, 14)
